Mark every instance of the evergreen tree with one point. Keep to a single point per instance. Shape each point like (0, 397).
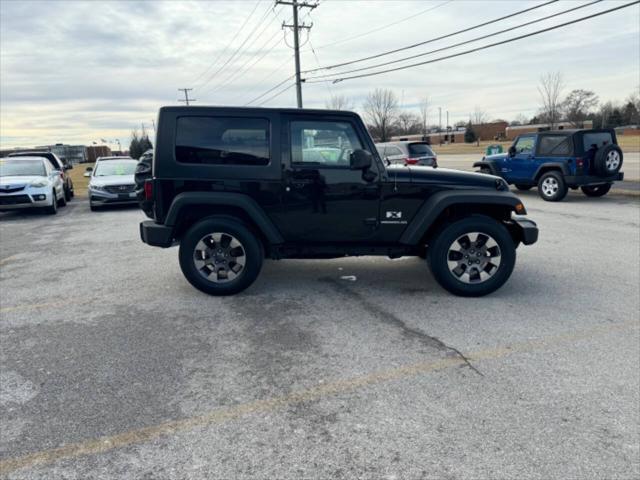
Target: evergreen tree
(469, 135)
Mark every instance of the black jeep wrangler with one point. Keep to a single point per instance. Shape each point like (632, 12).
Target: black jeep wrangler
(235, 185)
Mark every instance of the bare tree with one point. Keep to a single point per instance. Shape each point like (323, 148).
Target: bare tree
(578, 105)
(550, 90)
(424, 115)
(339, 102)
(380, 108)
(479, 116)
(520, 120)
(409, 123)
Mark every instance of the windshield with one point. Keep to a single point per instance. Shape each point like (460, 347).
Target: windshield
(20, 168)
(115, 167)
(420, 149)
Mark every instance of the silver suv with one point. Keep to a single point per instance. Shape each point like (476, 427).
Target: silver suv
(407, 153)
(30, 182)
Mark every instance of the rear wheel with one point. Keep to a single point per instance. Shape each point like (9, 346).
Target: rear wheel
(62, 201)
(473, 256)
(596, 190)
(220, 256)
(552, 187)
(67, 194)
(524, 188)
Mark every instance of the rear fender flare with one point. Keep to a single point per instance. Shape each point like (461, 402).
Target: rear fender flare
(238, 200)
(438, 202)
(551, 166)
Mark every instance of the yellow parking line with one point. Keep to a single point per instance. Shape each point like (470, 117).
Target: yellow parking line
(8, 259)
(28, 306)
(105, 444)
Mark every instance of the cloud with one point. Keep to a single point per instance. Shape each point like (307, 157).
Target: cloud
(75, 71)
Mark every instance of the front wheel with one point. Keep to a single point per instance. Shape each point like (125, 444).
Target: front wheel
(220, 256)
(596, 190)
(53, 208)
(473, 256)
(552, 186)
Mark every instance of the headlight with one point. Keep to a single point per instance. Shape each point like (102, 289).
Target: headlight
(40, 183)
(96, 187)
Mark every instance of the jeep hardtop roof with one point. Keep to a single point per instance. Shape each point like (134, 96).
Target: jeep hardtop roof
(292, 111)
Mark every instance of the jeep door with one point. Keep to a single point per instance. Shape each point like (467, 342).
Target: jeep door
(323, 199)
(522, 166)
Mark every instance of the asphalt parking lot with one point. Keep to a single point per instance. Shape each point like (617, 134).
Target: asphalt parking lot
(113, 366)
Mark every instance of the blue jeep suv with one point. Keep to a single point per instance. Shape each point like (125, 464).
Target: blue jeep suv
(555, 161)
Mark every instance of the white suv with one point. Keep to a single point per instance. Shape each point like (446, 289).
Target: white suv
(30, 182)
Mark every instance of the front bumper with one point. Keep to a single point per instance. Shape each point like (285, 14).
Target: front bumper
(100, 197)
(27, 198)
(156, 234)
(526, 229)
(586, 180)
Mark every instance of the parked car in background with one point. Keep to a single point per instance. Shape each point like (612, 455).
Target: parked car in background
(112, 182)
(408, 153)
(558, 160)
(57, 165)
(30, 182)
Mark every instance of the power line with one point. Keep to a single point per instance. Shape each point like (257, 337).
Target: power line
(268, 76)
(235, 53)
(513, 39)
(449, 47)
(226, 48)
(383, 27)
(269, 91)
(233, 74)
(277, 94)
(442, 37)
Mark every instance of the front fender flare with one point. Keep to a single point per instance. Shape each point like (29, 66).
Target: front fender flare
(438, 202)
(244, 202)
(489, 165)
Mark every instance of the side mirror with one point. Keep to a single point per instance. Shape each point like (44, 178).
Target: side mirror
(88, 169)
(512, 151)
(360, 160)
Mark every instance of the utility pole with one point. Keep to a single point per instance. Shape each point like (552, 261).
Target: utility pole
(447, 119)
(440, 125)
(186, 95)
(296, 39)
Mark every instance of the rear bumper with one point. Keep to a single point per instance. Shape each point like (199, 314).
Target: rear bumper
(585, 180)
(527, 230)
(155, 234)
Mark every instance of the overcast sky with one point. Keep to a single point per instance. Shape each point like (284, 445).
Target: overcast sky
(78, 72)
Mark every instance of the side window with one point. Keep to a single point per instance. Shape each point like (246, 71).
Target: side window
(524, 145)
(222, 140)
(392, 151)
(554, 145)
(323, 143)
(599, 139)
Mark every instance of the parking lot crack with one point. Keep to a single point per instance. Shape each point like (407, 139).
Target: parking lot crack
(391, 319)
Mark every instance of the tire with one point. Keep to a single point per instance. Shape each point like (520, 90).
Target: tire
(71, 191)
(596, 190)
(524, 188)
(485, 242)
(62, 201)
(552, 187)
(485, 170)
(92, 207)
(222, 237)
(608, 160)
(67, 195)
(53, 209)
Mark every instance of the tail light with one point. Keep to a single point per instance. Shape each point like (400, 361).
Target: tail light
(410, 161)
(579, 162)
(62, 175)
(148, 190)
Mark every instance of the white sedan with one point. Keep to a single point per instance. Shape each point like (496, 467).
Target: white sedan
(30, 182)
